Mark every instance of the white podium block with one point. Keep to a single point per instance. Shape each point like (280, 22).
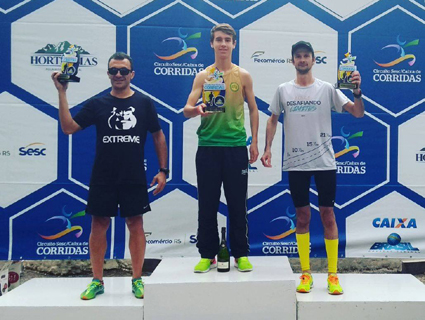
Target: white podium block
(175, 292)
(59, 299)
(366, 297)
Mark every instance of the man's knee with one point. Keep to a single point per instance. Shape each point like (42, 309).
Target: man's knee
(328, 217)
(135, 224)
(303, 216)
(100, 224)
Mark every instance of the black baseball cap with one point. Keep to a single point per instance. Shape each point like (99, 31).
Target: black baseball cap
(302, 44)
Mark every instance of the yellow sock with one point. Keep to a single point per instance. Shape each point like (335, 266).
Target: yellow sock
(332, 253)
(303, 243)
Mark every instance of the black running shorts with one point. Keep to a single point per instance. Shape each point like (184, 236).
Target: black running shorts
(104, 200)
(299, 185)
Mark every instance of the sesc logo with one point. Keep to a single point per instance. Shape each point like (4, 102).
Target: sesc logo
(33, 150)
(193, 239)
(320, 57)
(394, 223)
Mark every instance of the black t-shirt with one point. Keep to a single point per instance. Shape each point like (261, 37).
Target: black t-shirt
(121, 129)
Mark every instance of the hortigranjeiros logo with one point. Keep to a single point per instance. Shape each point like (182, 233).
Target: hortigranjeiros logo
(398, 57)
(420, 156)
(178, 47)
(280, 227)
(349, 166)
(51, 56)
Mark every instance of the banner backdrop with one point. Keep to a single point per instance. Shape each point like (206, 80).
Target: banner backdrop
(44, 174)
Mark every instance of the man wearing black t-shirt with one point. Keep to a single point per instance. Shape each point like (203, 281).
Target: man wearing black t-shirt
(122, 119)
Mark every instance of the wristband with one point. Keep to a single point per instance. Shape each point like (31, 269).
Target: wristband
(359, 95)
(164, 170)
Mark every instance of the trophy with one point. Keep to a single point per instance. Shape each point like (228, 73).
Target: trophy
(345, 70)
(69, 67)
(214, 92)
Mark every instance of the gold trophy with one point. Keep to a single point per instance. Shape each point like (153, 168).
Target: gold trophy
(345, 70)
(70, 63)
(214, 92)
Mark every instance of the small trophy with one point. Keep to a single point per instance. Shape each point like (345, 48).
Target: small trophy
(69, 67)
(345, 70)
(214, 92)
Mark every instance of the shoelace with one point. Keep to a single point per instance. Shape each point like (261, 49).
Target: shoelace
(333, 279)
(92, 285)
(138, 283)
(305, 279)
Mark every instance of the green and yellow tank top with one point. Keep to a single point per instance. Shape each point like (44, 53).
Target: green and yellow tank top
(226, 129)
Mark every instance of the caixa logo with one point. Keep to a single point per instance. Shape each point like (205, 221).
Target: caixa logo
(395, 223)
(35, 149)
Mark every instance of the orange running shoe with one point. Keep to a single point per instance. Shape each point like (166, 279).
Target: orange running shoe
(306, 283)
(334, 287)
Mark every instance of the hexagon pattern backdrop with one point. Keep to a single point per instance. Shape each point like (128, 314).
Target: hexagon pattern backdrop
(44, 174)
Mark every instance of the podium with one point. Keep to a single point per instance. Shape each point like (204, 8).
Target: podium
(173, 291)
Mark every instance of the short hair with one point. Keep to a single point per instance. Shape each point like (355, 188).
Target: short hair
(121, 56)
(225, 28)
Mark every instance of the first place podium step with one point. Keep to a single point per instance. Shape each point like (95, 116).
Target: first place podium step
(175, 292)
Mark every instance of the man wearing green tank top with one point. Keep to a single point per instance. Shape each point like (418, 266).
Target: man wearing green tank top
(222, 157)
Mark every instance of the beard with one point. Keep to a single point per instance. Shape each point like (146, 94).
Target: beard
(303, 71)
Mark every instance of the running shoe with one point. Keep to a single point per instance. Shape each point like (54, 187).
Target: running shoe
(243, 264)
(334, 287)
(138, 288)
(306, 283)
(204, 265)
(94, 288)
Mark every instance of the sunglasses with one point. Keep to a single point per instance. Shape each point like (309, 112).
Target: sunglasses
(123, 71)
